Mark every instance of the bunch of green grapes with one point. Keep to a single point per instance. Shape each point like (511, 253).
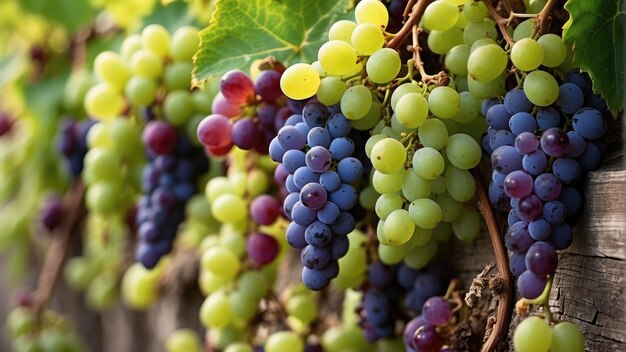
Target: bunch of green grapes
(536, 334)
(49, 332)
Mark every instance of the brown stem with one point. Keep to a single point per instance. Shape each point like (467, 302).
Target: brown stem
(505, 294)
(407, 9)
(441, 78)
(542, 18)
(500, 21)
(55, 255)
(416, 14)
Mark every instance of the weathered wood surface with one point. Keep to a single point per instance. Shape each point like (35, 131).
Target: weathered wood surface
(588, 287)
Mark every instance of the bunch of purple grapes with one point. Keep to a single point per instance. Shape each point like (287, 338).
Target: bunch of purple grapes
(169, 180)
(421, 335)
(391, 291)
(316, 151)
(51, 213)
(539, 158)
(72, 143)
(245, 113)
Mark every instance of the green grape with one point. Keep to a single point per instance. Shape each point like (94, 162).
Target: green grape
(183, 340)
(554, 50)
(220, 261)
(485, 90)
(356, 102)
(178, 107)
(300, 81)
(398, 227)
(524, 29)
(342, 30)
(302, 307)
(433, 133)
(243, 305)
(369, 145)
(258, 183)
(487, 62)
(233, 241)
(444, 102)
(103, 102)
(425, 213)
(368, 198)
(146, 64)
(318, 68)
(419, 256)
(19, 321)
(103, 197)
(440, 42)
(177, 76)
(456, 59)
(420, 237)
(390, 132)
(461, 22)
(140, 91)
(402, 90)
(388, 156)
(480, 30)
(103, 164)
(463, 151)
(130, 45)
(102, 291)
(229, 208)
(440, 15)
(391, 255)
(78, 272)
(469, 110)
(367, 38)
(371, 11)
(225, 336)
(216, 311)
(541, 88)
(466, 226)
(411, 110)
(110, 68)
(451, 126)
(532, 335)
(218, 186)
(356, 70)
(567, 337)
(282, 341)
(345, 338)
(428, 163)
(370, 119)
(387, 183)
(475, 128)
(460, 184)
(414, 187)
(480, 43)
(475, 11)
(535, 6)
(156, 39)
(450, 208)
(442, 232)
(331, 90)
(461, 83)
(185, 42)
(383, 66)
(336, 57)
(458, 2)
(399, 128)
(253, 282)
(527, 54)
(239, 347)
(438, 185)
(353, 263)
(139, 286)
(202, 100)
(210, 283)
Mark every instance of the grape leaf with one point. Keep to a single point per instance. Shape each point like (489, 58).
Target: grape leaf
(243, 30)
(171, 15)
(595, 28)
(72, 14)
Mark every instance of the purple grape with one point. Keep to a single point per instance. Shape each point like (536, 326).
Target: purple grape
(290, 137)
(339, 246)
(330, 180)
(318, 159)
(562, 236)
(566, 169)
(547, 187)
(516, 101)
(267, 115)
(498, 198)
(554, 212)
(506, 159)
(535, 163)
(313, 195)
(547, 118)
(264, 209)
(572, 199)
(380, 275)
(315, 279)
(267, 85)
(575, 146)
(51, 214)
(160, 138)
(541, 259)
(304, 175)
(276, 151)
(315, 114)
(318, 136)
(376, 307)
(512, 217)
(539, 229)
(293, 159)
(517, 238)
(295, 235)
(338, 126)
(500, 138)
(554, 142)
(518, 184)
(344, 224)
(530, 285)
(237, 87)
(581, 79)
(410, 329)
(529, 208)
(302, 215)
(246, 133)
(262, 249)
(350, 169)
(329, 213)
(570, 98)
(290, 185)
(522, 122)
(498, 117)
(590, 158)
(526, 143)
(318, 234)
(487, 104)
(427, 339)
(498, 178)
(292, 120)
(345, 197)
(341, 148)
(437, 311)
(221, 106)
(315, 257)
(517, 263)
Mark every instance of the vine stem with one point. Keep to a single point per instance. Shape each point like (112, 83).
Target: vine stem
(542, 18)
(500, 21)
(414, 17)
(505, 294)
(55, 256)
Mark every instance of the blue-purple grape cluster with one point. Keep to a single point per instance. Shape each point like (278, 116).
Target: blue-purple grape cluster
(71, 142)
(168, 181)
(391, 291)
(539, 157)
(316, 151)
(421, 334)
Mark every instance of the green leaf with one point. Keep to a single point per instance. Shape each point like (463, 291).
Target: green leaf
(171, 15)
(245, 30)
(595, 29)
(72, 14)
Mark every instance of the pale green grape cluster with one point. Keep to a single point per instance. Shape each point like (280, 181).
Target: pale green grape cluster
(536, 335)
(51, 332)
(353, 266)
(348, 336)
(139, 288)
(183, 340)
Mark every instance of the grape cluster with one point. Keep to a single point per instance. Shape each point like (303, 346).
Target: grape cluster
(421, 334)
(539, 156)
(246, 114)
(168, 182)
(72, 143)
(535, 334)
(316, 150)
